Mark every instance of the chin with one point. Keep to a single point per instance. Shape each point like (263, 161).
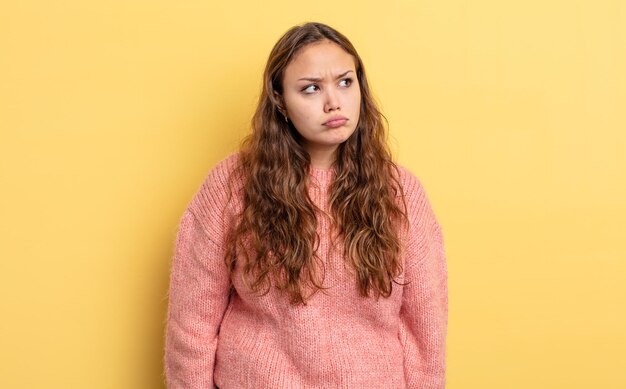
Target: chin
(338, 140)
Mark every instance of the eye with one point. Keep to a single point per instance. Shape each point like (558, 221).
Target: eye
(309, 89)
(348, 81)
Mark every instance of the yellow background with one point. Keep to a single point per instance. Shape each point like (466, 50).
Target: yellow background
(512, 113)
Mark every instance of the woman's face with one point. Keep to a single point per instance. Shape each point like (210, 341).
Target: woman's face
(322, 97)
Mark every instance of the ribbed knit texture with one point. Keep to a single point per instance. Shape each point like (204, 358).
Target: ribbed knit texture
(338, 340)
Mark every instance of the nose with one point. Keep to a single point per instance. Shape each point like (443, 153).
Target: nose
(332, 101)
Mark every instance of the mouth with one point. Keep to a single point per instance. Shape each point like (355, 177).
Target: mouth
(336, 122)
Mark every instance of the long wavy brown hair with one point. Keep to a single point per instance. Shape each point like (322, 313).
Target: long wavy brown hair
(276, 231)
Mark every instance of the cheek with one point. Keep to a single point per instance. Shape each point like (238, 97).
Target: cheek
(356, 103)
(296, 107)
(303, 111)
(355, 96)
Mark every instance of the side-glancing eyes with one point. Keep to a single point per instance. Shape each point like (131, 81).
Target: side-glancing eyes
(308, 90)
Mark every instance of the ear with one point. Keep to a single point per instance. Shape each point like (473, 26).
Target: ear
(280, 102)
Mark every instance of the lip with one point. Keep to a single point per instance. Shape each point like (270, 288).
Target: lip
(336, 121)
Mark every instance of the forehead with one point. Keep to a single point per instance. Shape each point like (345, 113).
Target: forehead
(319, 59)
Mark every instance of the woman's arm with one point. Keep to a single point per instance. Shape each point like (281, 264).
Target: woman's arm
(424, 311)
(199, 283)
(198, 297)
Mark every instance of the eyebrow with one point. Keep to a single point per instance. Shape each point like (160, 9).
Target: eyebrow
(317, 79)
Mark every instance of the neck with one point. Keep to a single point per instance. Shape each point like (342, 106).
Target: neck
(321, 158)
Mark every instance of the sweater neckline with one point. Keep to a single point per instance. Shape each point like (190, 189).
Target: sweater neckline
(323, 176)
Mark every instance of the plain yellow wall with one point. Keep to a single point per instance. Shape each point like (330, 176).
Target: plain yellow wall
(511, 113)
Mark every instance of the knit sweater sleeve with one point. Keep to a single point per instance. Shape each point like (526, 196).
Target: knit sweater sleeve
(424, 311)
(199, 288)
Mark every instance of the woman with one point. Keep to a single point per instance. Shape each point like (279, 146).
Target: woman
(309, 259)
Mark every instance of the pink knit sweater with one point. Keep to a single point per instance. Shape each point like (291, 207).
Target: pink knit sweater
(338, 340)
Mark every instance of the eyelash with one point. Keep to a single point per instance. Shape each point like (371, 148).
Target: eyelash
(308, 86)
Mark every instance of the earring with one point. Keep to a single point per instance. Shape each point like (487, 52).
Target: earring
(286, 120)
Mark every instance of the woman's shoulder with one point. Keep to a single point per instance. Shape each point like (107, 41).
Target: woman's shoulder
(409, 181)
(417, 200)
(219, 185)
(223, 169)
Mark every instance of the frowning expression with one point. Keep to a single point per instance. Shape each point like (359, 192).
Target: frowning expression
(321, 95)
